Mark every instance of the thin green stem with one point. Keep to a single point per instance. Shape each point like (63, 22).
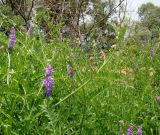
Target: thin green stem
(72, 93)
(8, 70)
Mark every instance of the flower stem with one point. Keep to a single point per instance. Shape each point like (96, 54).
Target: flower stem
(8, 70)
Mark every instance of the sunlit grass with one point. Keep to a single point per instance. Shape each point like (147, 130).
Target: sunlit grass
(100, 96)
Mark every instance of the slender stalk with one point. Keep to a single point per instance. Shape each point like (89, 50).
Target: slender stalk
(72, 93)
(85, 105)
(8, 70)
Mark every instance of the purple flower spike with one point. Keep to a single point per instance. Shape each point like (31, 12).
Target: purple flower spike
(12, 36)
(70, 71)
(130, 130)
(139, 132)
(48, 92)
(48, 82)
(48, 70)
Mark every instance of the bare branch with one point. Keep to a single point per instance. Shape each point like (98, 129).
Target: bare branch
(18, 10)
(32, 5)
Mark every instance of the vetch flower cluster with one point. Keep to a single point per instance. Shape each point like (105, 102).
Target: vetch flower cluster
(139, 132)
(12, 38)
(130, 130)
(48, 70)
(70, 71)
(48, 82)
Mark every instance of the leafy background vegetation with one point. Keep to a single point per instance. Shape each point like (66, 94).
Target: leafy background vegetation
(106, 94)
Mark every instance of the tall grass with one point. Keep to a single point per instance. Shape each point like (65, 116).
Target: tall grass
(103, 98)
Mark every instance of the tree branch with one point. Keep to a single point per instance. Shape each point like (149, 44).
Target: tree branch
(19, 11)
(32, 5)
(107, 16)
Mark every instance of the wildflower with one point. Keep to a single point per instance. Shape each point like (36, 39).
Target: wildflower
(12, 37)
(139, 132)
(30, 30)
(48, 92)
(158, 98)
(48, 70)
(48, 82)
(114, 46)
(130, 130)
(151, 72)
(102, 55)
(127, 71)
(70, 71)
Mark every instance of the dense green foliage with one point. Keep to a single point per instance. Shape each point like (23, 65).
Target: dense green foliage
(102, 93)
(149, 25)
(112, 88)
